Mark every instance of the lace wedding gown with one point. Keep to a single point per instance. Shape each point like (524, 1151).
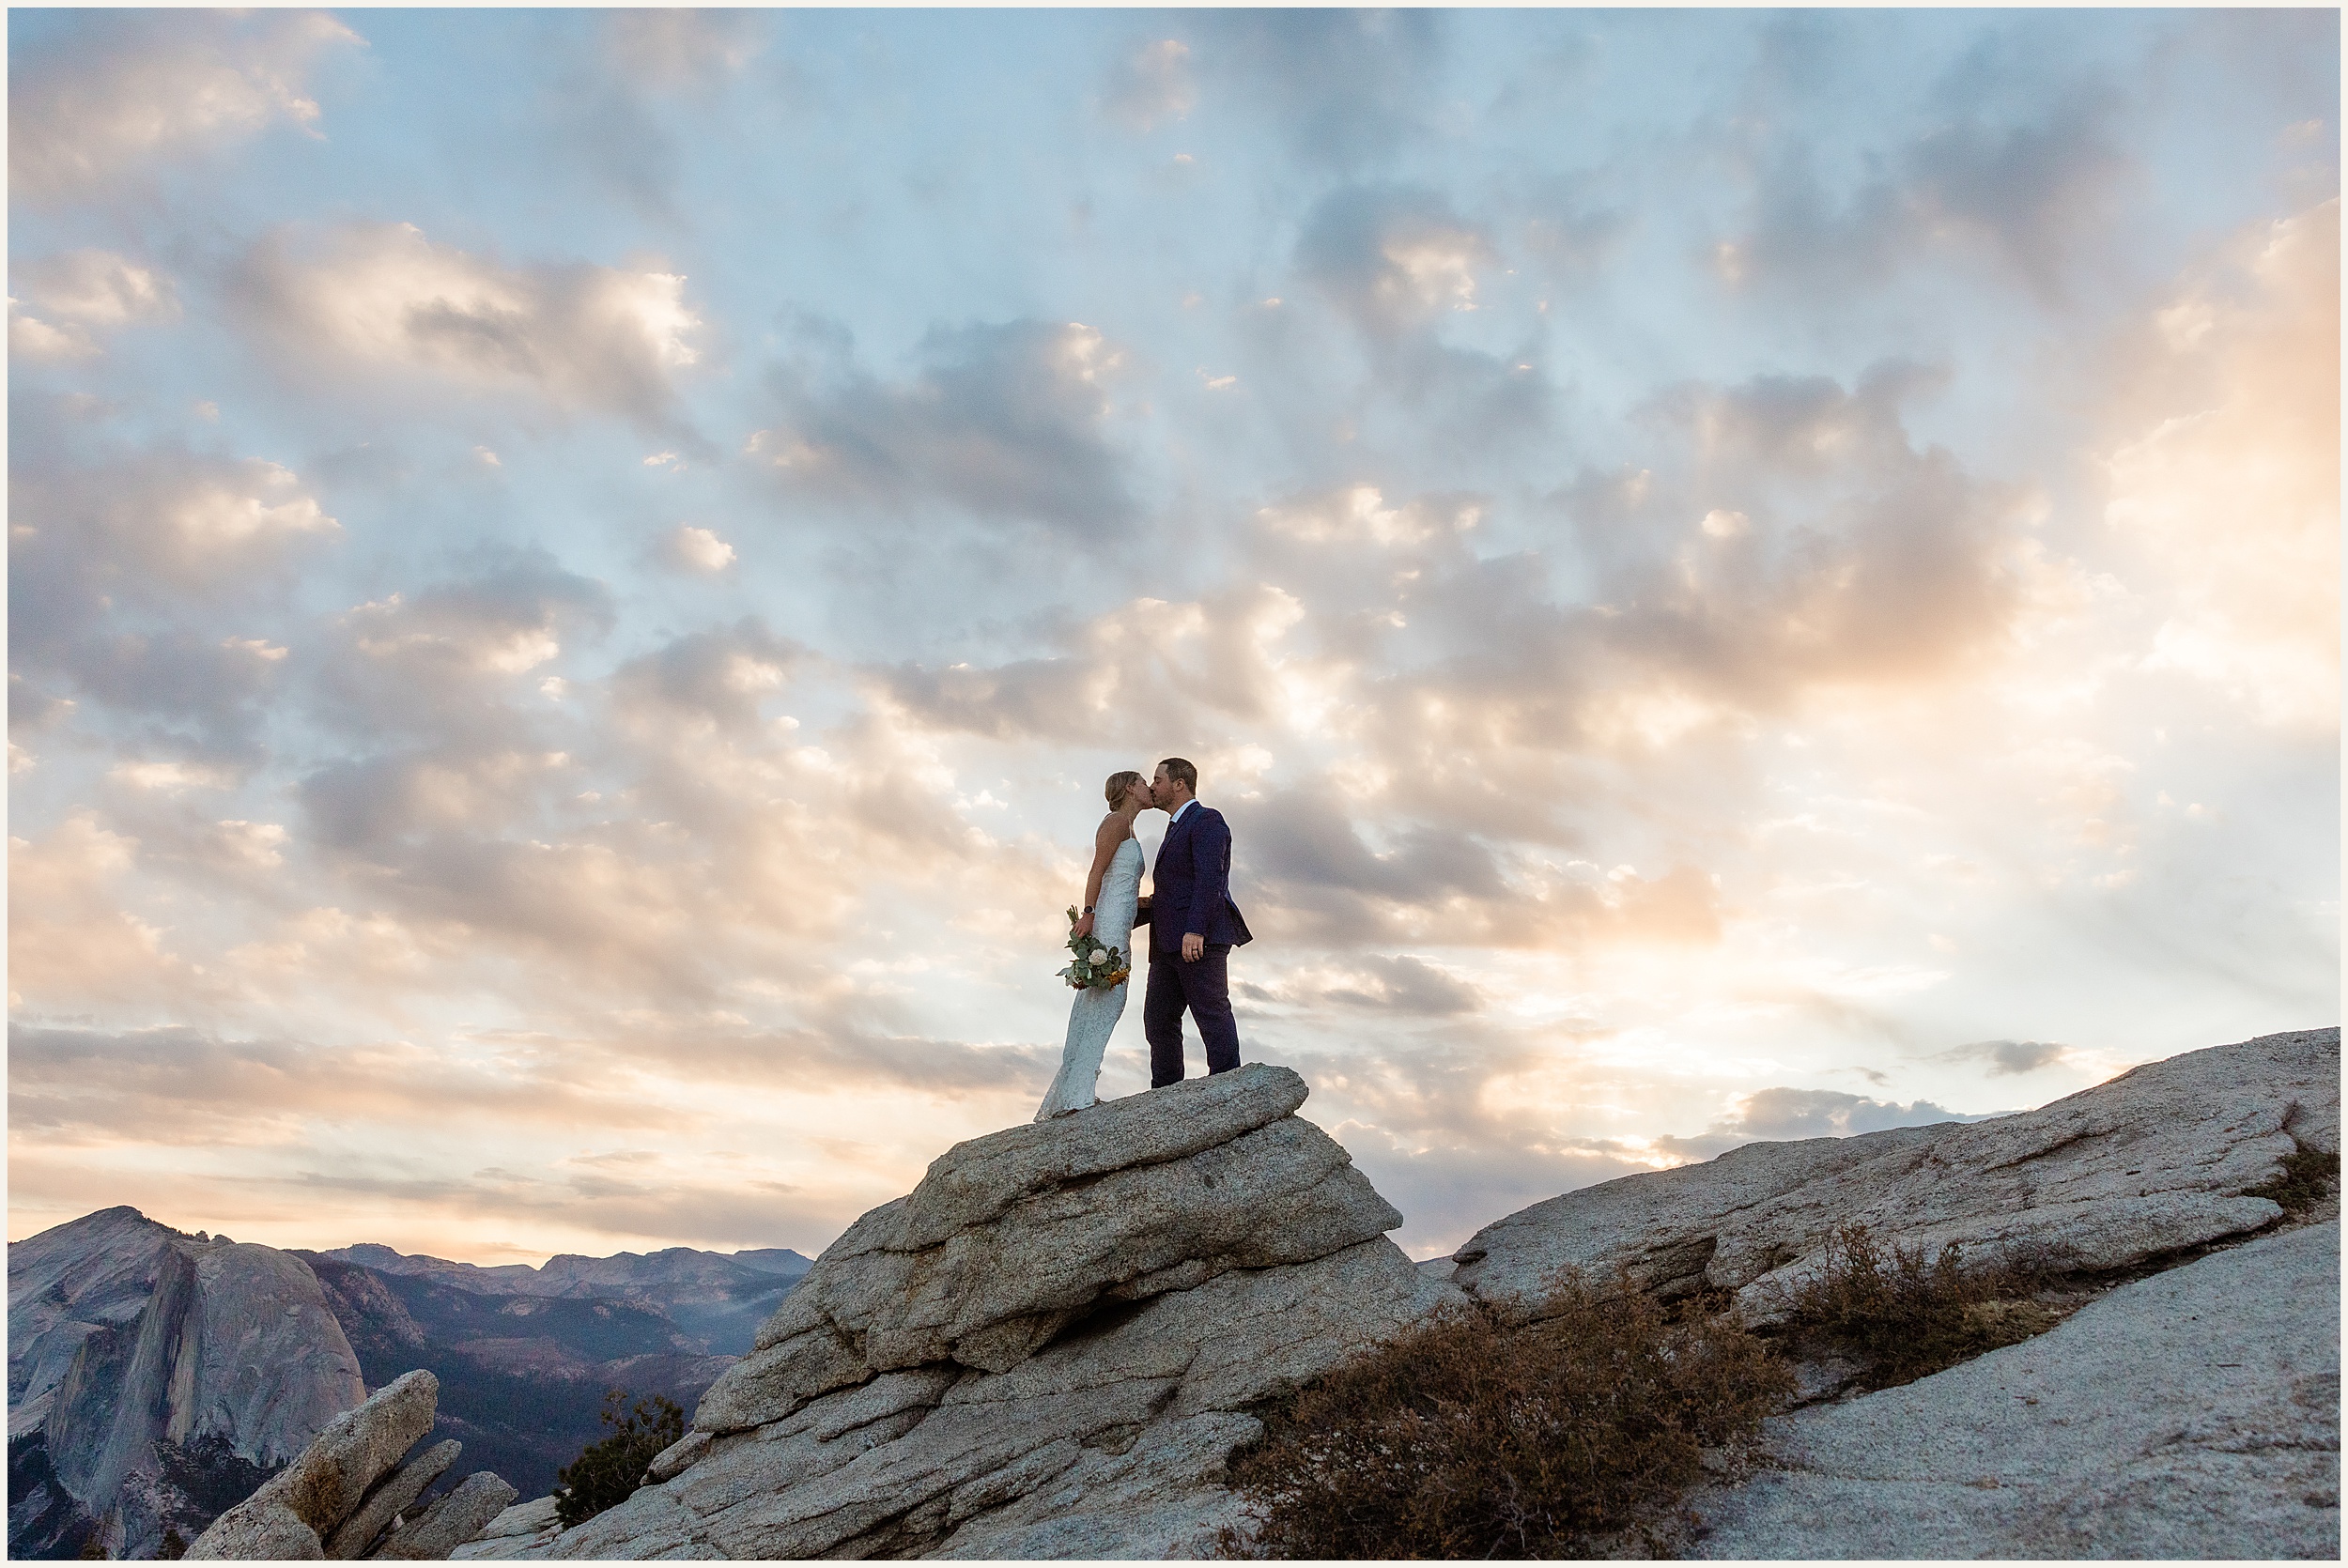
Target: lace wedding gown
(1095, 1017)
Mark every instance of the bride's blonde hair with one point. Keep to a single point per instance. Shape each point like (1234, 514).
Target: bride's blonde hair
(1116, 786)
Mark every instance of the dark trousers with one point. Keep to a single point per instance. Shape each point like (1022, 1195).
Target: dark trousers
(1203, 988)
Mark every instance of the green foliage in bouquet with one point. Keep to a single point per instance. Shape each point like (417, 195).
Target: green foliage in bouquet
(1098, 966)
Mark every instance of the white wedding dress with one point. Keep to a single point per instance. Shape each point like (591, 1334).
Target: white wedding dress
(1094, 1016)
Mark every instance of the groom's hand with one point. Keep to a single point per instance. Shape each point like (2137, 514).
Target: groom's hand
(1193, 947)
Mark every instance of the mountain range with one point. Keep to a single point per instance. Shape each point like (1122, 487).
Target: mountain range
(156, 1377)
(716, 1299)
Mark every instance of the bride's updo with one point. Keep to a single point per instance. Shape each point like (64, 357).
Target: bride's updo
(1116, 786)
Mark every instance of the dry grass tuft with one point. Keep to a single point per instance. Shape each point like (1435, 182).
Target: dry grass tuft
(1903, 1316)
(2309, 1175)
(1465, 1439)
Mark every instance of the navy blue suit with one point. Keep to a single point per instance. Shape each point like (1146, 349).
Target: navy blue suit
(1191, 891)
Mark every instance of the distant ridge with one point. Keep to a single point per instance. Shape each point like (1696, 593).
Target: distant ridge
(575, 1274)
(715, 1298)
(777, 1260)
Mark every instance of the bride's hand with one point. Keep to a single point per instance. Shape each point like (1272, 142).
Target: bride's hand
(1082, 928)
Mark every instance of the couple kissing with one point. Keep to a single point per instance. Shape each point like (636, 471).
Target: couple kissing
(1192, 923)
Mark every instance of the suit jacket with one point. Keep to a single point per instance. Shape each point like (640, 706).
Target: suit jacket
(1191, 885)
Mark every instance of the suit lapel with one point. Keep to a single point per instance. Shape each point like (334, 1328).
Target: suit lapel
(1167, 843)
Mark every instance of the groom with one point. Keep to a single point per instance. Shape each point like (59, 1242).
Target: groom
(1193, 928)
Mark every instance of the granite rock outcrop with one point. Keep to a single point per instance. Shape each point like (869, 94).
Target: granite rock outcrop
(1053, 1346)
(2170, 1156)
(449, 1521)
(1047, 1349)
(2227, 1444)
(524, 1529)
(350, 1494)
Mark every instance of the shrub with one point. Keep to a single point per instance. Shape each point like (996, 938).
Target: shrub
(1903, 1316)
(608, 1471)
(1464, 1439)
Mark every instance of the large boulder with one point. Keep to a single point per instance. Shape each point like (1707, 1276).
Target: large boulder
(525, 1529)
(301, 1507)
(1011, 1237)
(2225, 1445)
(2171, 1155)
(449, 1521)
(1048, 1348)
(393, 1495)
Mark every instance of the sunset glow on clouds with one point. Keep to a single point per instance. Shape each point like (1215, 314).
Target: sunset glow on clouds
(575, 577)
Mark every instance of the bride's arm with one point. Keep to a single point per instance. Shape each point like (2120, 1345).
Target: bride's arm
(1105, 844)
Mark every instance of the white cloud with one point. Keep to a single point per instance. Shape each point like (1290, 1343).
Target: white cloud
(154, 524)
(699, 550)
(503, 623)
(2234, 487)
(170, 775)
(2006, 1057)
(78, 291)
(1828, 1114)
(1004, 419)
(31, 338)
(388, 629)
(257, 844)
(1153, 84)
(384, 295)
(681, 49)
(96, 288)
(71, 941)
(1358, 515)
(223, 516)
(1395, 259)
(118, 94)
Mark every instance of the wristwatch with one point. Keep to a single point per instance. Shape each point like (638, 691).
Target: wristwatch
(1088, 909)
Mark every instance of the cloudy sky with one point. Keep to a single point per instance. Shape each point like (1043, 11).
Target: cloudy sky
(575, 577)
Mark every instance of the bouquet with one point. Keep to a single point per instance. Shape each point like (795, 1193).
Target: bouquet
(1098, 965)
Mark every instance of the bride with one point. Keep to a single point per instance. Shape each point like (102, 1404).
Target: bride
(1112, 897)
